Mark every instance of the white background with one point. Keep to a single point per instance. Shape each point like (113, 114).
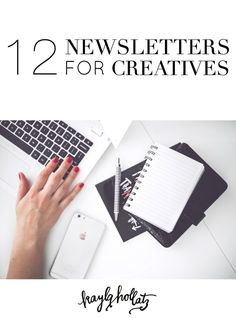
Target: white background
(114, 99)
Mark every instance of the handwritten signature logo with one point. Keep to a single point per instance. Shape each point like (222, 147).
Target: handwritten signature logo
(107, 299)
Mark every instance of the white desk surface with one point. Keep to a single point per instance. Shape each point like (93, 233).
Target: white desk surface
(197, 253)
(215, 141)
(205, 251)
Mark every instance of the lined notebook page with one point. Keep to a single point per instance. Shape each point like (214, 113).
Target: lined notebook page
(165, 187)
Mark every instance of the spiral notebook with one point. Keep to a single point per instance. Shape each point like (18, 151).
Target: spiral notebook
(164, 187)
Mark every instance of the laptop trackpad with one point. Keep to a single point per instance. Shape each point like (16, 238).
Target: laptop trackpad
(10, 166)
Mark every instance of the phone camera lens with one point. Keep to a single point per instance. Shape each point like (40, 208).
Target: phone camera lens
(78, 215)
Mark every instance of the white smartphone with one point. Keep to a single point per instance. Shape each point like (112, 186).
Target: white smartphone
(78, 247)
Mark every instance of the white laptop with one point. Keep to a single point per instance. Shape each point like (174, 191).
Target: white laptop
(27, 146)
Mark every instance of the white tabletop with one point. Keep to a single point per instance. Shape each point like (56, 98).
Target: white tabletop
(205, 251)
(202, 251)
(215, 141)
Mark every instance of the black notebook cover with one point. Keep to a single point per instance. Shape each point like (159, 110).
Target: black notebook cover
(127, 225)
(207, 191)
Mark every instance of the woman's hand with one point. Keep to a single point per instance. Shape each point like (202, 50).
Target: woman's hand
(37, 209)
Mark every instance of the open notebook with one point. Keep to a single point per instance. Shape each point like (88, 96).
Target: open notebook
(164, 187)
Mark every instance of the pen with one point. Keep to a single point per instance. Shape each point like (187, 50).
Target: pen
(117, 190)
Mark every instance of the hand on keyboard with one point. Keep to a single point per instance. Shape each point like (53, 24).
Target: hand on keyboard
(37, 209)
(45, 139)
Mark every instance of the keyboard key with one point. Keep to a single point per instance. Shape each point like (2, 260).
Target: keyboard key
(71, 130)
(65, 145)
(73, 150)
(44, 130)
(46, 122)
(74, 141)
(35, 154)
(27, 128)
(67, 172)
(26, 137)
(42, 160)
(78, 158)
(15, 140)
(53, 156)
(19, 132)
(33, 142)
(67, 135)
(60, 131)
(58, 165)
(48, 143)
(58, 140)
(47, 153)
(59, 162)
(5, 123)
(53, 126)
(70, 168)
(37, 125)
(34, 133)
(20, 123)
(80, 136)
(56, 148)
(12, 127)
(41, 138)
(83, 147)
(30, 122)
(63, 124)
(51, 135)
(62, 153)
(88, 142)
(40, 147)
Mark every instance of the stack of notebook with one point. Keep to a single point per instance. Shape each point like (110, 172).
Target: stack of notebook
(165, 194)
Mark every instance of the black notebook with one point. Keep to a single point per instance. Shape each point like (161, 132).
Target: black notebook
(206, 192)
(127, 224)
(164, 187)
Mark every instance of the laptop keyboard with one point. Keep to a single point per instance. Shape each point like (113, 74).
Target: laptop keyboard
(45, 139)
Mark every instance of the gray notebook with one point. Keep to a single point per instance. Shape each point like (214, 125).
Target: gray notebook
(164, 187)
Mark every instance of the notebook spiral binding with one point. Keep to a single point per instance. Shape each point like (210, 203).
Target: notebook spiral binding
(149, 158)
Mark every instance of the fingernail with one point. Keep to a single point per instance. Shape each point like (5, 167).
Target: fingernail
(19, 175)
(81, 185)
(76, 169)
(55, 160)
(69, 159)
